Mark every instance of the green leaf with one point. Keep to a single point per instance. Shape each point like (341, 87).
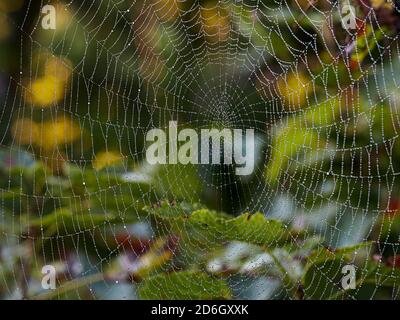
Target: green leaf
(64, 221)
(164, 209)
(212, 226)
(258, 229)
(184, 285)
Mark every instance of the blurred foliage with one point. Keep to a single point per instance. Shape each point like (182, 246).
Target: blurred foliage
(76, 192)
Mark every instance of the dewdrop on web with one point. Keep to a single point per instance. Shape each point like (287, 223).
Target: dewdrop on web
(196, 150)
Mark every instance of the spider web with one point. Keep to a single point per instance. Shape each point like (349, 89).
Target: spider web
(321, 99)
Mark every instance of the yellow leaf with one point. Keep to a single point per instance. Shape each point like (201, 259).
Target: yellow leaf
(58, 68)
(105, 159)
(376, 4)
(215, 22)
(25, 131)
(153, 259)
(46, 91)
(294, 90)
(151, 262)
(57, 132)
